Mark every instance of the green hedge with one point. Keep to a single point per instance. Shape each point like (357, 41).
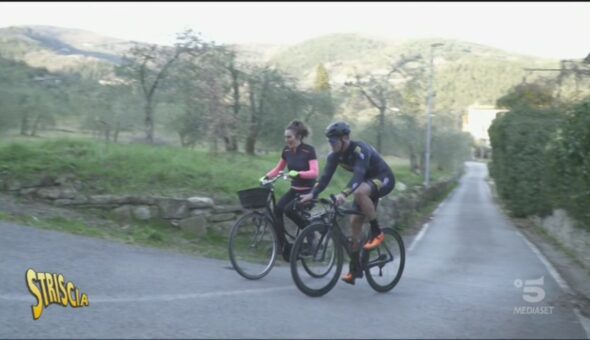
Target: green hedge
(568, 158)
(541, 160)
(518, 165)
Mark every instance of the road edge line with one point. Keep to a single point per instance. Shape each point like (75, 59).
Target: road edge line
(418, 237)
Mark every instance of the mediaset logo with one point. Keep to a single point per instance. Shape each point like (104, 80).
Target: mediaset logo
(532, 292)
(49, 288)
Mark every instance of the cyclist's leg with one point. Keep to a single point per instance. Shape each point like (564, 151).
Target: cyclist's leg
(280, 223)
(384, 184)
(292, 213)
(295, 216)
(363, 199)
(381, 185)
(356, 222)
(366, 198)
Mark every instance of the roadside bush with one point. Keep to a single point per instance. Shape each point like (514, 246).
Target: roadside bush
(518, 164)
(568, 162)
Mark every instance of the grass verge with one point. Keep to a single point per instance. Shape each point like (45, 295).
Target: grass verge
(151, 234)
(145, 169)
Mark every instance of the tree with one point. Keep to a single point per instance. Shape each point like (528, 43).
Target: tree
(108, 108)
(381, 91)
(30, 97)
(322, 79)
(411, 129)
(450, 148)
(317, 104)
(149, 65)
(378, 92)
(408, 135)
(273, 100)
(206, 89)
(319, 101)
(232, 79)
(527, 96)
(579, 70)
(236, 76)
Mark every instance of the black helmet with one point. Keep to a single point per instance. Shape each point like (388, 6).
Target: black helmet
(337, 129)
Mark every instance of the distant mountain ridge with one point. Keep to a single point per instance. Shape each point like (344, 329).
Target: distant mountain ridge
(468, 72)
(66, 41)
(328, 49)
(345, 53)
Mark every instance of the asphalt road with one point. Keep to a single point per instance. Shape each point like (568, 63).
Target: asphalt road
(461, 281)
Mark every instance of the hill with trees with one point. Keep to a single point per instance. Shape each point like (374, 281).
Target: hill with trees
(242, 96)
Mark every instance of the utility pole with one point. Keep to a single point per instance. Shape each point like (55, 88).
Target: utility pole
(563, 72)
(428, 132)
(559, 77)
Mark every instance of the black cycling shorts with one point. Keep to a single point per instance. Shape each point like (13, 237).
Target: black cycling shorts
(381, 185)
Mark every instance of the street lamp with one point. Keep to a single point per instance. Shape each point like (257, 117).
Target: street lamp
(428, 133)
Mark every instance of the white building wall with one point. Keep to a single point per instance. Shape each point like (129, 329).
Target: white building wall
(478, 121)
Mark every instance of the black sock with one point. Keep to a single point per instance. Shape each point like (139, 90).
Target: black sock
(354, 261)
(375, 230)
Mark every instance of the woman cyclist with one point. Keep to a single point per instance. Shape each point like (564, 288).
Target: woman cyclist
(300, 159)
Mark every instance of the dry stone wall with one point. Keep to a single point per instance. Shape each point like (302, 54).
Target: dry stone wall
(563, 228)
(194, 214)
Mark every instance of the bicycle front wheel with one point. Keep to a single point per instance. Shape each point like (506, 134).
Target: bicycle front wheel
(385, 264)
(312, 260)
(253, 246)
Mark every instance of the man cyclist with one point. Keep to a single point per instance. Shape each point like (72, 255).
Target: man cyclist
(372, 179)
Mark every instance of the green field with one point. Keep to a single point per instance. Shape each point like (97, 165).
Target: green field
(142, 169)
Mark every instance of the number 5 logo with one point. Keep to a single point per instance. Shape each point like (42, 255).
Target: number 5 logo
(533, 291)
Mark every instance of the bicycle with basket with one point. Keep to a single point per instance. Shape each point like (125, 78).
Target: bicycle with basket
(253, 243)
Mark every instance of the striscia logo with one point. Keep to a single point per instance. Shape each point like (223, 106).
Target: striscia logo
(50, 288)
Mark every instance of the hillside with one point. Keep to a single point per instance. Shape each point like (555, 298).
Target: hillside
(66, 41)
(466, 73)
(345, 54)
(341, 53)
(61, 49)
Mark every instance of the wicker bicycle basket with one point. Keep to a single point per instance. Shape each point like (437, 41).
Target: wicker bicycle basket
(254, 198)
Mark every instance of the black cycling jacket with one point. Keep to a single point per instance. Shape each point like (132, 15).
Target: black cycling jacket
(360, 158)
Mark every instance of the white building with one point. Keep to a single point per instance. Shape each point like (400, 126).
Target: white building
(478, 121)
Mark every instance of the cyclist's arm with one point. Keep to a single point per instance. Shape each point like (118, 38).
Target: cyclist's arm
(312, 173)
(280, 167)
(331, 164)
(361, 164)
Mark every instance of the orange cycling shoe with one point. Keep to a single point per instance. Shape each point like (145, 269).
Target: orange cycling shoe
(348, 278)
(375, 242)
(353, 274)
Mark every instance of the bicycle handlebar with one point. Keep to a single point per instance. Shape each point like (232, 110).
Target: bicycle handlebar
(281, 174)
(337, 209)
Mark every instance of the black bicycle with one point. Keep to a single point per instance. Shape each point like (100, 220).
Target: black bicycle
(253, 243)
(323, 240)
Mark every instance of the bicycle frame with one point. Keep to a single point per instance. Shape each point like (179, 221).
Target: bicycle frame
(271, 204)
(338, 235)
(321, 244)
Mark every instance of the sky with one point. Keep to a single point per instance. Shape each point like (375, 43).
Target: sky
(543, 29)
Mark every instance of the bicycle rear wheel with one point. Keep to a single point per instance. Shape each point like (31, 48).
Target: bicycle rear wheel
(252, 245)
(385, 265)
(312, 264)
